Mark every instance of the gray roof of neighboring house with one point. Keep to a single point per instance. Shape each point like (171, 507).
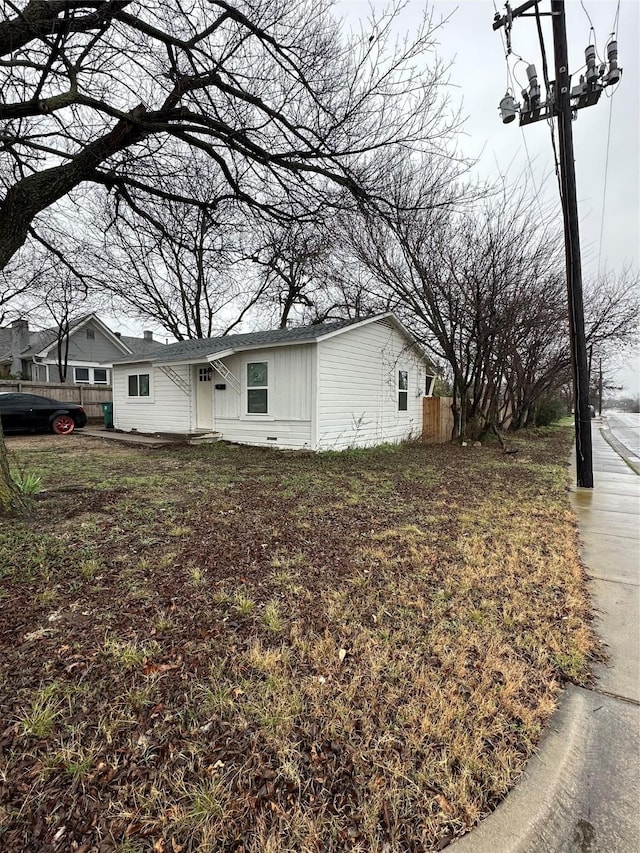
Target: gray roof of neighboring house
(39, 340)
(141, 346)
(193, 350)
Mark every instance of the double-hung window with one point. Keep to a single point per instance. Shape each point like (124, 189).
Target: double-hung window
(403, 390)
(257, 388)
(96, 375)
(139, 385)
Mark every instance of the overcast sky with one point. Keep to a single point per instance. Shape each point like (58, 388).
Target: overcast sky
(479, 79)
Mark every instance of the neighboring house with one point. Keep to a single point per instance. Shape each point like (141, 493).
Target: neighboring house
(328, 386)
(92, 349)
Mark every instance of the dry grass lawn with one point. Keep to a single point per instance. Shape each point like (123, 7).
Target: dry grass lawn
(231, 649)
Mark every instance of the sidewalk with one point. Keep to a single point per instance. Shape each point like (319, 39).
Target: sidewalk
(581, 792)
(126, 437)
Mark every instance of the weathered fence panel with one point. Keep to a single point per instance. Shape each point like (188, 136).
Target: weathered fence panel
(90, 397)
(437, 420)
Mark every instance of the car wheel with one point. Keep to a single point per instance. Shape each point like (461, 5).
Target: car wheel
(63, 424)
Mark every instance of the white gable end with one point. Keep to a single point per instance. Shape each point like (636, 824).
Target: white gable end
(360, 398)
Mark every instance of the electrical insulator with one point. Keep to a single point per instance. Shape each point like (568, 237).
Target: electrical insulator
(612, 55)
(534, 88)
(508, 108)
(590, 58)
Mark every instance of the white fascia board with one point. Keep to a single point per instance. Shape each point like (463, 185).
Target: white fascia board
(268, 345)
(105, 364)
(418, 347)
(359, 325)
(389, 315)
(187, 362)
(132, 362)
(225, 353)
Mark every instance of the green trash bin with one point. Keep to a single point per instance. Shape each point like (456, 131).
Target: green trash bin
(107, 411)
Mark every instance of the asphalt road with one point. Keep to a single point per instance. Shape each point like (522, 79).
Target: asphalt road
(626, 428)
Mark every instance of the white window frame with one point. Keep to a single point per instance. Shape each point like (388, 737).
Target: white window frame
(138, 398)
(91, 374)
(77, 381)
(401, 390)
(266, 388)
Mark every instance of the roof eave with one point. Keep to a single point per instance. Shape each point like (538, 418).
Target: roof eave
(43, 353)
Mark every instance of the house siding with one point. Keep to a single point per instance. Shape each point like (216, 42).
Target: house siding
(167, 409)
(82, 351)
(288, 421)
(334, 393)
(358, 388)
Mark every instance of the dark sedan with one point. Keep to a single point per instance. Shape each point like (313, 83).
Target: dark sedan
(31, 413)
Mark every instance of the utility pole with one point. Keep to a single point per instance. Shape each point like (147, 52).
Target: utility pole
(582, 417)
(562, 102)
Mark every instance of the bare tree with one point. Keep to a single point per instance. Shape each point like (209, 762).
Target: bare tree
(290, 258)
(108, 95)
(174, 266)
(481, 287)
(63, 301)
(25, 275)
(476, 282)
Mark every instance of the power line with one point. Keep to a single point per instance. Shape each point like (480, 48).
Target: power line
(511, 77)
(592, 29)
(545, 77)
(604, 192)
(615, 20)
(606, 160)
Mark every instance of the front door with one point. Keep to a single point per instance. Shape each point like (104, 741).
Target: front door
(204, 397)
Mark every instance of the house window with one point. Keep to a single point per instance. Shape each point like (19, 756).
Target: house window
(257, 388)
(91, 335)
(100, 375)
(204, 374)
(139, 385)
(403, 390)
(81, 374)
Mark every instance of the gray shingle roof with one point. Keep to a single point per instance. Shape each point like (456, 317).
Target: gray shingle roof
(141, 346)
(39, 340)
(202, 347)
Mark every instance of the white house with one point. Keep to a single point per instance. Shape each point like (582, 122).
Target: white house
(351, 383)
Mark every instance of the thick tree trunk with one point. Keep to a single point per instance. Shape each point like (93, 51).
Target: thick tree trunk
(36, 192)
(12, 502)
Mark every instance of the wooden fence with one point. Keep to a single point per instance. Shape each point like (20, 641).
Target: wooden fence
(90, 397)
(437, 420)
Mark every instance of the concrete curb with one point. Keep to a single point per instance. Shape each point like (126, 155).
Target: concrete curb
(620, 449)
(531, 810)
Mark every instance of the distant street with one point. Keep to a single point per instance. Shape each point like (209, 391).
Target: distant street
(626, 428)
